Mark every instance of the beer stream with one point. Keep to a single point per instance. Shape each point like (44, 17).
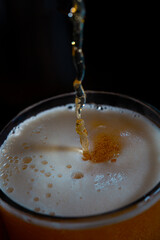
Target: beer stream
(77, 15)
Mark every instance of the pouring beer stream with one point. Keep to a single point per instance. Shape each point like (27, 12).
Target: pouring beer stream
(77, 14)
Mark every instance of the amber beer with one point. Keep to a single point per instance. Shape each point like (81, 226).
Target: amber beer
(50, 191)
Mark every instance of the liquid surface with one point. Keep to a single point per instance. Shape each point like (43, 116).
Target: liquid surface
(42, 166)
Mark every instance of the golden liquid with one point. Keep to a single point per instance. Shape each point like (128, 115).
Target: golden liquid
(77, 13)
(107, 146)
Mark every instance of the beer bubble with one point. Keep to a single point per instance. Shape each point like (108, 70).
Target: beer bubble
(50, 185)
(25, 145)
(37, 209)
(4, 176)
(10, 190)
(9, 157)
(5, 184)
(69, 166)
(48, 174)
(36, 199)
(77, 175)
(70, 107)
(6, 165)
(27, 160)
(44, 162)
(52, 213)
(24, 167)
(99, 108)
(48, 195)
(4, 151)
(32, 166)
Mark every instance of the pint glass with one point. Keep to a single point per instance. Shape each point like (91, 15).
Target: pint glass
(139, 219)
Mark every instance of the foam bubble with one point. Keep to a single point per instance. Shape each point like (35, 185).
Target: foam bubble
(77, 175)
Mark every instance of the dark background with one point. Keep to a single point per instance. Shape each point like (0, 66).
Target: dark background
(35, 52)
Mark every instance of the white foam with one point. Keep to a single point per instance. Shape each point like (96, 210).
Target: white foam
(41, 164)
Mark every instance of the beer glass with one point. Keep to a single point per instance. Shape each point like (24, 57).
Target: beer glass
(140, 219)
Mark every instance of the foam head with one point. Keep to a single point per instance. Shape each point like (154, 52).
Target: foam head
(42, 167)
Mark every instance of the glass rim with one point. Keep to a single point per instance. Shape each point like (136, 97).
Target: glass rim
(69, 219)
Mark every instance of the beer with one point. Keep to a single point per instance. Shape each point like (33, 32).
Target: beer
(43, 171)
